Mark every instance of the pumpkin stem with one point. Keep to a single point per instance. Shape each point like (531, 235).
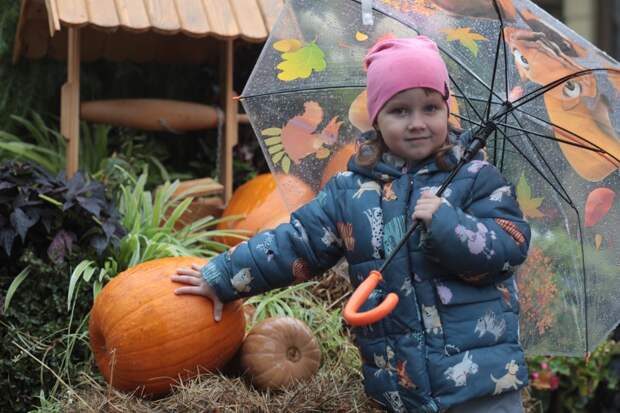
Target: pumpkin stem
(293, 354)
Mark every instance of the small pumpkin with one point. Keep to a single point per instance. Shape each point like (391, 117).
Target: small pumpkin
(262, 204)
(279, 351)
(145, 337)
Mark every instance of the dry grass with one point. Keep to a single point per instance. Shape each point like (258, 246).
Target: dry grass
(328, 391)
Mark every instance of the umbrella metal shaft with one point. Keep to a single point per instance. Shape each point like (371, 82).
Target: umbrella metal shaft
(479, 141)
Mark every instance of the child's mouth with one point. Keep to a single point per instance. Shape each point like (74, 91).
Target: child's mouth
(417, 139)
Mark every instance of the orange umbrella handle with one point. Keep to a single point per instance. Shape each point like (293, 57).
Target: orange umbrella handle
(359, 297)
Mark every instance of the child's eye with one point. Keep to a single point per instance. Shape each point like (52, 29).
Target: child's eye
(400, 111)
(430, 108)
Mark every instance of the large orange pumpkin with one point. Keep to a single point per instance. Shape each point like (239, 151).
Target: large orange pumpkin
(260, 201)
(145, 337)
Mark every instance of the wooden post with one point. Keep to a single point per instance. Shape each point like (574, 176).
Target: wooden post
(70, 103)
(231, 108)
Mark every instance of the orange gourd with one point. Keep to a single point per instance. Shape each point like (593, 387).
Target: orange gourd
(261, 202)
(279, 351)
(145, 337)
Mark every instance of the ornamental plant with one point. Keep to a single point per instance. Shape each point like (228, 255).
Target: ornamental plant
(51, 214)
(573, 384)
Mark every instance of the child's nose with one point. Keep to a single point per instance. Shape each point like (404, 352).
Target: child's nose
(415, 121)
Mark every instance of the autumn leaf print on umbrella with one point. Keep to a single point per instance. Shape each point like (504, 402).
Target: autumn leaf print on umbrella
(551, 97)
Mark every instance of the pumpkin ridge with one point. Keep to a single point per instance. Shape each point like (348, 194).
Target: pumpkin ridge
(173, 340)
(131, 311)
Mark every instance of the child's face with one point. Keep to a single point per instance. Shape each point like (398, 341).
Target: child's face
(414, 123)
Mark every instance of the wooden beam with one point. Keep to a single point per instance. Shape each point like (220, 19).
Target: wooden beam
(231, 109)
(70, 102)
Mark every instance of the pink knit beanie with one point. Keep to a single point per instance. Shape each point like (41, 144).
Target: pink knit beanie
(394, 65)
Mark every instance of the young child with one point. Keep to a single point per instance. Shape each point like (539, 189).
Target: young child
(452, 341)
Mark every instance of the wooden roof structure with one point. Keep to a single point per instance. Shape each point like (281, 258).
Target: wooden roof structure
(180, 31)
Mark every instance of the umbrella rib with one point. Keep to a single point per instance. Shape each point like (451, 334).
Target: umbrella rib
(487, 110)
(593, 147)
(501, 25)
(467, 99)
(544, 160)
(305, 89)
(552, 138)
(551, 85)
(503, 40)
(565, 197)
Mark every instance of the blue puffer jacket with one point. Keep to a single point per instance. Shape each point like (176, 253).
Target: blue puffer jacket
(454, 334)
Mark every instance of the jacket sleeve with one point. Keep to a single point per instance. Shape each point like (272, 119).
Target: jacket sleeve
(483, 241)
(292, 252)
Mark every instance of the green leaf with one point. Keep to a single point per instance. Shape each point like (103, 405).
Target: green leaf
(276, 158)
(528, 205)
(273, 141)
(276, 148)
(75, 276)
(178, 211)
(301, 63)
(286, 164)
(466, 37)
(14, 286)
(271, 132)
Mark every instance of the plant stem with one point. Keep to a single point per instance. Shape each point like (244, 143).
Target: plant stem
(50, 200)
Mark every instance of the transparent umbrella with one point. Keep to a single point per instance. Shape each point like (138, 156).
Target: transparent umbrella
(551, 97)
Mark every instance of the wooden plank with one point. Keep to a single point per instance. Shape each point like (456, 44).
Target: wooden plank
(52, 12)
(221, 18)
(193, 17)
(70, 103)
(271, 10)
(21, 24)
(231, 109)
(163, 15)
(72, 12)
(132, 15)
(102, 13)
(198, 187)
(249, 20)
(199, 208)
(151, 114)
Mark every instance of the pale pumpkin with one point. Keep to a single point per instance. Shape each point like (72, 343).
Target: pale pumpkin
(261, 204)
(145, 337)
(280, 351)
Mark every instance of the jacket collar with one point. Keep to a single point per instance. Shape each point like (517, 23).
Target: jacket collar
(392, 167)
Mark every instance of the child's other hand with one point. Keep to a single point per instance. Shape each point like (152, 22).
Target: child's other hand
(426, 207)
(198, 286)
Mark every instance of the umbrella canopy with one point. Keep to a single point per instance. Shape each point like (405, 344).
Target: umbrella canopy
(552, 95)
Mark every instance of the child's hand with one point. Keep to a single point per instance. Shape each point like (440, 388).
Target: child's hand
(426, 207)
(199, 286)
